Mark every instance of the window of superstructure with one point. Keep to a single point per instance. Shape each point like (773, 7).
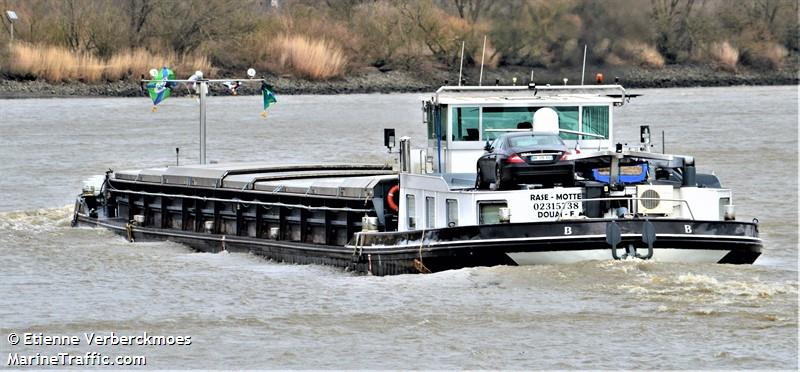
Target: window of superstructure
(489, 212)
(411, 211)
(498, 120)
(567, 119)
(430, 212)
(595, 121)
(466, 123)
(451, 206)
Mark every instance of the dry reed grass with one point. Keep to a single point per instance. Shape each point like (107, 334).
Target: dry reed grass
(763, 54)
(56, 64)
(649, 56)
(53, 63)
(640, 53)
(775, 54)
(139, 61)
(724, 55)
(305, 57)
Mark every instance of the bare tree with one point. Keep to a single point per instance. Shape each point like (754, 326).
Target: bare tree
(187, 24)
(472, 9)
(671, 21)
(72, 25)
(430, 31)
(138, 13)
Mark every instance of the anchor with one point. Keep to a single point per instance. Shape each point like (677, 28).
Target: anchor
(648, 237)
(614, 237)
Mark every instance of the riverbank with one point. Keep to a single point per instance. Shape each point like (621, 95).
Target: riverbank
(372, 80)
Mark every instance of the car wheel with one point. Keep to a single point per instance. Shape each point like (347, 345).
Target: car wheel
(498, 174)
(479, 184)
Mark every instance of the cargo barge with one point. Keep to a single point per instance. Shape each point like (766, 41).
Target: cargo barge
(430, 211)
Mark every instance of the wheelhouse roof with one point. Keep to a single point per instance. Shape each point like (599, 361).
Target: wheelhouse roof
(530, 95)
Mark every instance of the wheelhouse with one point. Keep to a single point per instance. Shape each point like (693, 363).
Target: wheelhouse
(461, 119)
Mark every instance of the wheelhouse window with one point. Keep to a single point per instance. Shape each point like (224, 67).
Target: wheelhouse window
(488, 123)
(534, 140)
(411, 211)
(568, 119)
(466, 123)
(497, 120)
(489, 212)
(451, 206)
(430, 212)
(595, 120)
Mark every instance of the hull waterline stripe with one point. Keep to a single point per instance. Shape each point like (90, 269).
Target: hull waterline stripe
(383, 249)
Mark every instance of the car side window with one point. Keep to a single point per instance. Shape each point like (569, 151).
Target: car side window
(497, 145)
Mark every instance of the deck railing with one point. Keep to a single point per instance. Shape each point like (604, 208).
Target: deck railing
(628, 200)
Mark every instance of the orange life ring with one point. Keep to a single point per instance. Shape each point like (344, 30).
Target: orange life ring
(390, 198)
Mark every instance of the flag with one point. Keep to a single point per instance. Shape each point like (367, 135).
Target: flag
(267, 96)
(232, 86)
(159, 90)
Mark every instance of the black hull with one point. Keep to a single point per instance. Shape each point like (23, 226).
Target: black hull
(391, 253)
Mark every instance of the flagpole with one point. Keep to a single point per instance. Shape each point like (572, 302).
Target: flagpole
(461, 66)
(203, 84)
(203, 91)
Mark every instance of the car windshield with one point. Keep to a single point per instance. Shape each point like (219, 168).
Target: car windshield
(534, 140)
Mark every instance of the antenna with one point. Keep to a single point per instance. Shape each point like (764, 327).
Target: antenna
(531, 80)
(483, 55)
(203, 93)
(461, 67)
(583, 71)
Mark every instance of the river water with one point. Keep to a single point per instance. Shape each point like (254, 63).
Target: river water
(242, 311)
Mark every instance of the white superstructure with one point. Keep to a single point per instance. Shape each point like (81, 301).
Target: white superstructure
(438, 188)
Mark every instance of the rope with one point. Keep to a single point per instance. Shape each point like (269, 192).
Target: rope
(366, 198)
(129, 231)
(418, 264)
(356, 252)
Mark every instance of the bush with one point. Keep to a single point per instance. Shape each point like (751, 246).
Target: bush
(640, 53)
(765, 55)
(723, 55)
(491, 58)
(535, 33)
(386, 35)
